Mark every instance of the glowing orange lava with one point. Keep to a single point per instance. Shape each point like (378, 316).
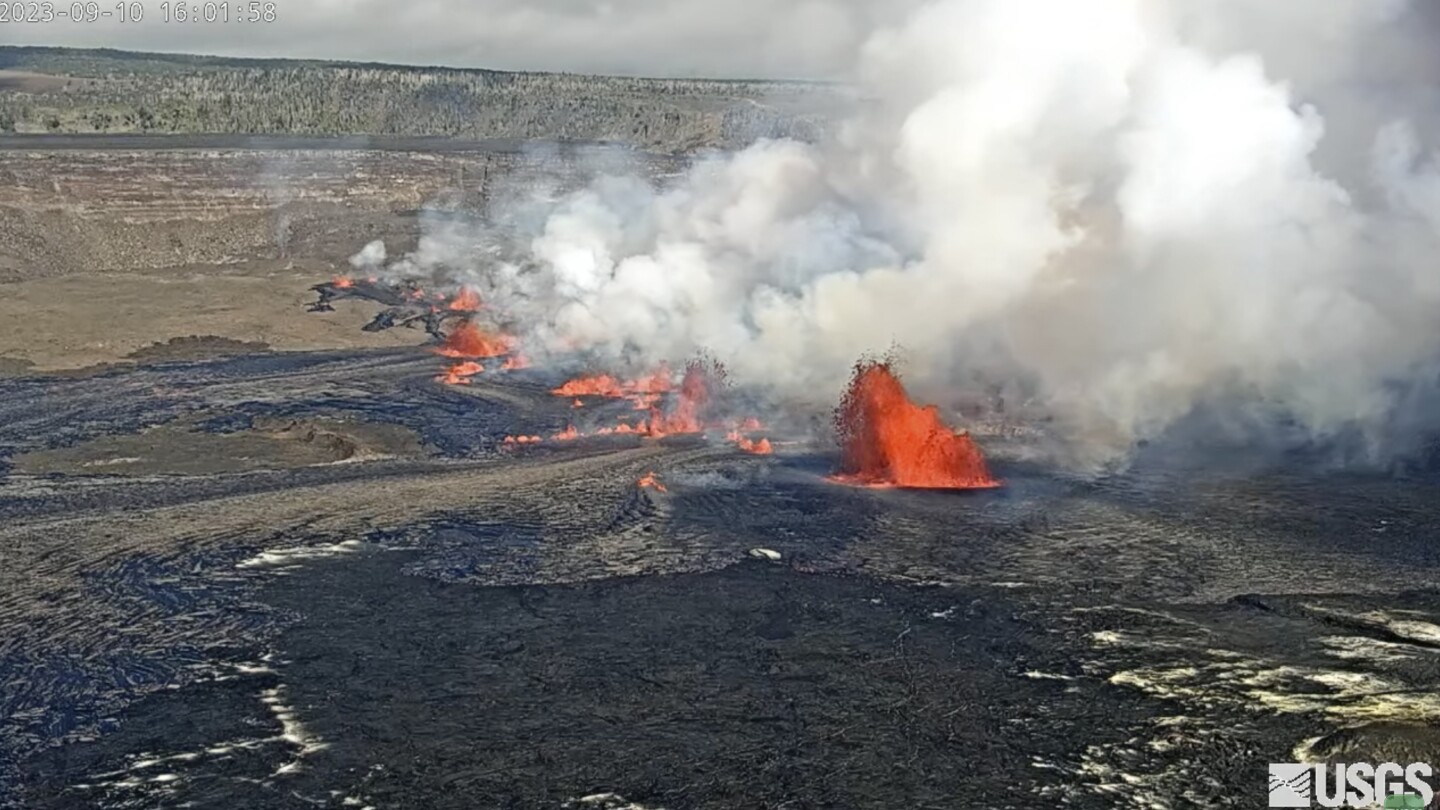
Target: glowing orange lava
(759, 448)
(460, 373)
(597, 385)
(522, 440)
(649, 480)
(577, 404)
(657, 382)
(694, 395)
(469, 340)
(887, 440)
(644, 391)
(467, 300)
(568, 434)
(343, 282)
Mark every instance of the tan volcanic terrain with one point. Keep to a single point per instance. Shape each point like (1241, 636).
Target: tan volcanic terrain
(105, 253)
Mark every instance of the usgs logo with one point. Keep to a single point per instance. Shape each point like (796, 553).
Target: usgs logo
(1388, 785)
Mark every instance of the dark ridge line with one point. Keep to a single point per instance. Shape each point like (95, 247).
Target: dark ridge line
(262, 143)
(196, 60)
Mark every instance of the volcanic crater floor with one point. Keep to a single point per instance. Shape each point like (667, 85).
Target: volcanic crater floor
(319, 579)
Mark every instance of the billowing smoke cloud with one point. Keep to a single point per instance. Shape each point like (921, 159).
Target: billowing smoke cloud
(1120, 210)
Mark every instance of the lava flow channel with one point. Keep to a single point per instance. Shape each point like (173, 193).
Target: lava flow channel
(888, 440)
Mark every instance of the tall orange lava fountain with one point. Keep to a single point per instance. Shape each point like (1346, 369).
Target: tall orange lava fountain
(887, 440)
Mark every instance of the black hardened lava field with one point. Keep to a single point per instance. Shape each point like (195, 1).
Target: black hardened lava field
(388, 606)
(753, 405)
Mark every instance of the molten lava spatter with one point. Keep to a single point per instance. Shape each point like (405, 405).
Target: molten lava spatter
(760, 448)
(568, 434)
(469, 340)
(466, 300)
(343, 282)
(643, 391)
(887, 440)
(649, 480)
(598, 385)
(656, 382)
(460, 373)
(695, 390)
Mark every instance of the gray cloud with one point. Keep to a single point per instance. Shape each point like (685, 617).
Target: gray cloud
(686, 38)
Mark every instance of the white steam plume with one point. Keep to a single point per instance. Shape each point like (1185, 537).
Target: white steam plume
(1125, 207)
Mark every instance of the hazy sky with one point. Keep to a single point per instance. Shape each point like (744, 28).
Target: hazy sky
(733, 38)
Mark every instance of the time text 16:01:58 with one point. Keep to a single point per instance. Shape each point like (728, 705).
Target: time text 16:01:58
(218, 12)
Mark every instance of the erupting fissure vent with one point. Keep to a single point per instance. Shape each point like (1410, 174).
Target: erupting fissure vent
(470, 341)
(466, 300)
(659, 406)
(888, 440)
(460, 373)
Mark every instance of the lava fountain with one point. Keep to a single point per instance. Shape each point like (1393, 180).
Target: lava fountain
(460, 373)
(888, 440)
(470, 341)
(466, 300)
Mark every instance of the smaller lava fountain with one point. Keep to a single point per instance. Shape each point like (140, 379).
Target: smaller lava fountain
(466, 300)
(470, 341)
(696, 389)
(460, 373)
(888, 440)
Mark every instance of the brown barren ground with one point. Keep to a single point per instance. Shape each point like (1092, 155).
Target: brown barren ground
(104, 253)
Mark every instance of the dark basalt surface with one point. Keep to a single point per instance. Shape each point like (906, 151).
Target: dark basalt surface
(474, 627)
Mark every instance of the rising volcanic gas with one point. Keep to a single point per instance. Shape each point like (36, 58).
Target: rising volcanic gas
(1119, 213)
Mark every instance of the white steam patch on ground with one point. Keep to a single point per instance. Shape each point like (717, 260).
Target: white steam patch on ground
(1216, 691)
(286, 560)
(605, 801)
(1120, 211)
(152, 775)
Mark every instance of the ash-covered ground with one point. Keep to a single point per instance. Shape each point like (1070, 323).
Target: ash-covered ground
(238, 577)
